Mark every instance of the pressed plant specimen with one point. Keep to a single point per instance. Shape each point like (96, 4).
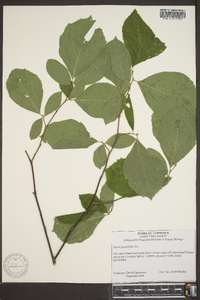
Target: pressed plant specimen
(98, 76)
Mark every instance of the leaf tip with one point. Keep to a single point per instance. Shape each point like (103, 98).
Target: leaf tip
(91, 19)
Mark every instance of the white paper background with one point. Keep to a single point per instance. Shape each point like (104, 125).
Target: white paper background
(30, 37)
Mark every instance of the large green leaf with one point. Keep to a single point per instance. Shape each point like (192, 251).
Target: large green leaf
(72, 40)
(25, 89)
(58, 72)
(93, 99)
(68, 134)
(145, 170)
(160, 87)
(116, 181)
(86, 200)
(53, 103)
(78, 54)
(84, 229)
(172, 97)
(176, 132)
(98, 99)
(128, 110)
(100, 156)
(121, 61)
(140, 39)
(118, 64)
(36, 129)
(123, 141)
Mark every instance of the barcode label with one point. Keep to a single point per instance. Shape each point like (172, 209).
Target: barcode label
(172, 14)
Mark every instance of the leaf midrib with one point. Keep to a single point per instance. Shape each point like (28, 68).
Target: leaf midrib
(141, 162)
(151, 87)
(28, 96)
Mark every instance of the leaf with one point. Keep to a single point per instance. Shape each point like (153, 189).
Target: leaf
(25, 89)
(167, 93)
(128, 110)
(53, 103)
(68, 134)
(145, 170)
(93, 101)
(58, 72)
(109, 74)
(140, 39)
(124, 140)
(176, 133)
(84, 229)
(66, 89)
(160, 87)
(36, 129)
(106, 195)
(72, 40)
(111, 53)
(116, 181)
(78, 54)
(121, 61)
(86, 200)
(100, 157)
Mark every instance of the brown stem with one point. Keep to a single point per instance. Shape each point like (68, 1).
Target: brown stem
(38, 205)
(169, 173)
(108, 202)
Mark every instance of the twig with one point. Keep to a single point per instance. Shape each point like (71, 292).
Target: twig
(38, 205)
(169, 173)
(108, 202)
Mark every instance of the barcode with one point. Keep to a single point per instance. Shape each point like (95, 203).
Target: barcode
(172, 14)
